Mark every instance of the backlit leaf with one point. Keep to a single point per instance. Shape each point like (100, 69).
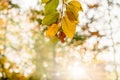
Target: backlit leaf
(76, 5)
(61, 36)
(72, 13)
(50, 18)
(52, 30)
(51, 6)
(68, 27)
(72, 10)
(51, 14)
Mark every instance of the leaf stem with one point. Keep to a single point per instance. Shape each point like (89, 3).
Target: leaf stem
(62, 12)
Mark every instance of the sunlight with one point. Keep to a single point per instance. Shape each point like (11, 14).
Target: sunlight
(76, 71)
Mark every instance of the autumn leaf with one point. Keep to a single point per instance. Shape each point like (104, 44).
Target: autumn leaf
(72, 14)
(76, 5)
(72, 10)
(69, 21)
(52, 30)
(61, 36)
(68, 27)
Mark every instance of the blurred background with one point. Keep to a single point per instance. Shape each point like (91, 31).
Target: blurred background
(26, 54)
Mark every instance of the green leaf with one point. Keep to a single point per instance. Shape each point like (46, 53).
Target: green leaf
(50, 18)
(51, 6)
(51, 14)
(45, 1)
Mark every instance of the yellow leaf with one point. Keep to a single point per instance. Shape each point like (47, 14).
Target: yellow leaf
(76, 5)
(72, 10)
(68, 27)
(72, 13)
(52, 30)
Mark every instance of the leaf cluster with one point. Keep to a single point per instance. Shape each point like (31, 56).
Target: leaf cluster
(63, 22)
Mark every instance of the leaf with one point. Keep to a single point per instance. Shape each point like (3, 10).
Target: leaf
(68, 27)
(52, 30)
(61, 37)
(76, 5)
(72, 13)
(50, 18)
(45, 1)
(72, 10)
(51, 14)
(51, 6)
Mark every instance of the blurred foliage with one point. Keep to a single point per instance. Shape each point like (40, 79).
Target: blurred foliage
(35, 17)
(78, 39)
(7, 70)
(3, 5)
(11, 5)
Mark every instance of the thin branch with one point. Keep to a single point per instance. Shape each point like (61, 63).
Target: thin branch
(61, 16)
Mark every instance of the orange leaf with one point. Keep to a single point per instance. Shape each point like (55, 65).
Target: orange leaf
(52, 30)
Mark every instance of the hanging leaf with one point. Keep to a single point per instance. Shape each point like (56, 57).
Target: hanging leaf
(72, 13)
(45, 1)
(50, 18)
(52, 30)
(72, 10)
(68, 27)
(51, 6)
(61, 36)
(69, 21)
(51, 14)
(76, 5)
